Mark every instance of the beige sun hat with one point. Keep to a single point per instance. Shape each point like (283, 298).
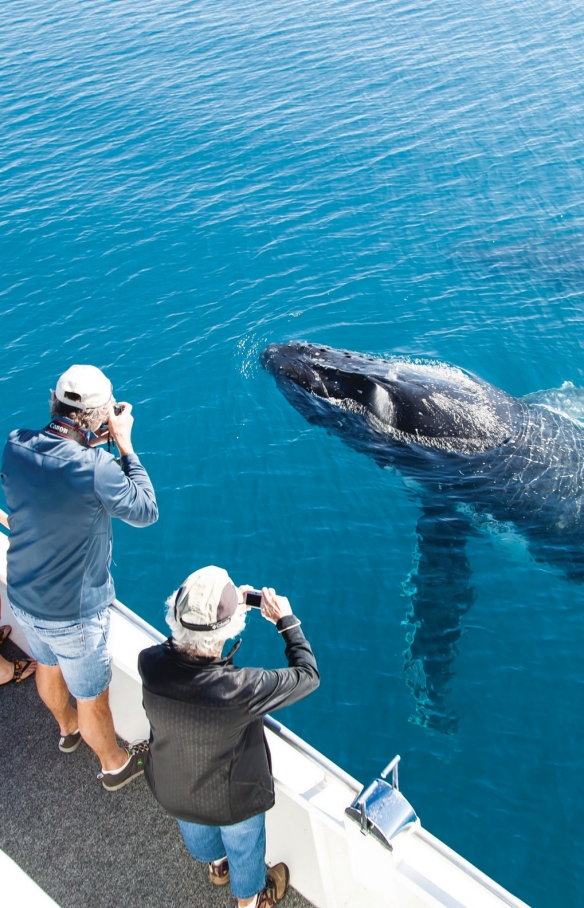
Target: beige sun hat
(207, 600)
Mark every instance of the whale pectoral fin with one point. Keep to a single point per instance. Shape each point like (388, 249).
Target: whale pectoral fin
(440, 590)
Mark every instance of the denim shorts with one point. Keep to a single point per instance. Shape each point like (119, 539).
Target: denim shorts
(79, 649)
(243, 843)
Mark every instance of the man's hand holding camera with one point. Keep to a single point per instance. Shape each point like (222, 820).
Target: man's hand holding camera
(120, 424)
(273, 607)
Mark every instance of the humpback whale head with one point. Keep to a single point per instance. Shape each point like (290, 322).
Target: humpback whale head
(392, 402)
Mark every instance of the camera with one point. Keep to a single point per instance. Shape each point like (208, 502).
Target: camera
(253, 598)
(117, 410)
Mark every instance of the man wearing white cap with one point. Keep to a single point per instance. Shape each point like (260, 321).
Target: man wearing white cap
(62, 491)
(209, 763)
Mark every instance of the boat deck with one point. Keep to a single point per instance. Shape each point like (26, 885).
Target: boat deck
(88, 848)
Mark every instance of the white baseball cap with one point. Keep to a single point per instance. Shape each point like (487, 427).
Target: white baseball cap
(84, 387)
(207, 600)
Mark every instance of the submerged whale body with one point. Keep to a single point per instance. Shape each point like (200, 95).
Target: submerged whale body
(472, 449)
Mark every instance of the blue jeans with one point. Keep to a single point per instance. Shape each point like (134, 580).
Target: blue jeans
(243, 843)
(78, 648)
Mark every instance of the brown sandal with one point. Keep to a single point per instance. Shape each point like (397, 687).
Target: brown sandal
(219, 873)
(20, 669)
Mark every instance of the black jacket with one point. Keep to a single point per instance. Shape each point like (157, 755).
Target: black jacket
(209, 760)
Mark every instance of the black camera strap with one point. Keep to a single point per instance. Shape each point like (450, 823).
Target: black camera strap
(65, 430)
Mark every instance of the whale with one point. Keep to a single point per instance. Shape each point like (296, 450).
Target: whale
(473, 454)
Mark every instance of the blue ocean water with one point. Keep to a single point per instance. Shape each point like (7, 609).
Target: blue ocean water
(185, 182)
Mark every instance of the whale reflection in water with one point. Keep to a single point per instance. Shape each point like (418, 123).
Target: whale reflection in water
(474, 453)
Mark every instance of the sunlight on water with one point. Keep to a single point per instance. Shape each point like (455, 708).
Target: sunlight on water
(567, 400)
(183, 184)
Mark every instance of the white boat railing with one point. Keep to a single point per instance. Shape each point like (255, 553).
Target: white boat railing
(123, 610)
(306, 750)
(485, 881)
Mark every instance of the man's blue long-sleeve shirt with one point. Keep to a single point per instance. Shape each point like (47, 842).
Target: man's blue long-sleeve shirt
(61, 498)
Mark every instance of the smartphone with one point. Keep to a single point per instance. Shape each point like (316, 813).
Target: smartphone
(253, 598)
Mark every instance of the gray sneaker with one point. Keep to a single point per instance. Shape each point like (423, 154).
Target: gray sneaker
(133, 768)
(69, 743)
